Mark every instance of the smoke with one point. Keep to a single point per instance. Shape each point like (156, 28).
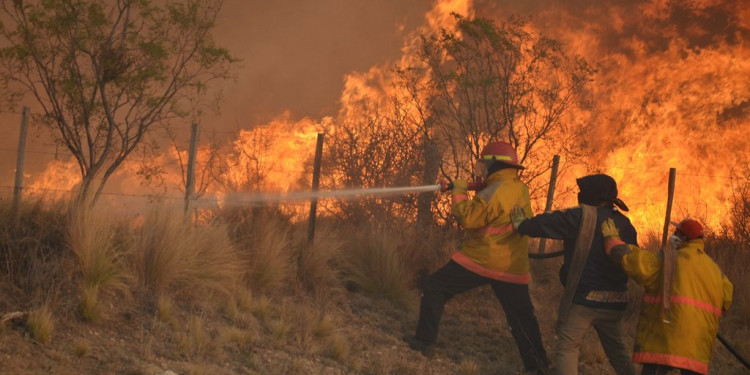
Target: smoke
(700, 23)
(295, 53)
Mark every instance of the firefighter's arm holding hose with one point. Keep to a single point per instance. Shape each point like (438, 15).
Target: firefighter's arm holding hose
(470, 213)
(642, 265)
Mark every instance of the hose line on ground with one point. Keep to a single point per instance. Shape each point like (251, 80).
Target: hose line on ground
(733, 351)
(545, 255)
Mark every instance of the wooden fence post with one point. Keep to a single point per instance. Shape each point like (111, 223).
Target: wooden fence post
(190, 180)
(18, 187)
(550, 196)
(315, 184)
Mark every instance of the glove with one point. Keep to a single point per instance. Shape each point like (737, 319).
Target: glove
(445, 185)
(460, 185)
(517, 216)
(609, 229)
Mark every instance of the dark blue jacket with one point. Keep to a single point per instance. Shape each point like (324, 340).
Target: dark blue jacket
(603, 283)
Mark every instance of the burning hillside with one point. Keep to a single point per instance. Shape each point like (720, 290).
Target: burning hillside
(670, 90)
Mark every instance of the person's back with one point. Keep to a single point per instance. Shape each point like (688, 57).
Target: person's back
(597, 296)
(603, 283)
(683, 336)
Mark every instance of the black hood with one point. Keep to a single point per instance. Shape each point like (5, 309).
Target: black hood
(597, 189)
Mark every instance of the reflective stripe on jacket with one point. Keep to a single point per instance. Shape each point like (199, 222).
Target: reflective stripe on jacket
(491, 247)
(700, 293)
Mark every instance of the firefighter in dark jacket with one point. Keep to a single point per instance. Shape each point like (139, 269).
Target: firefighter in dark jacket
(600, 296)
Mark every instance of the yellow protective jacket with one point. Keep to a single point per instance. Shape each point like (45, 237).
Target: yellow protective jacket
(700, 293)
(491, 247)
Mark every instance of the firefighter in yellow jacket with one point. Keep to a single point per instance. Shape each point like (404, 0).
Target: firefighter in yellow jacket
(491, 253)
(683, 338)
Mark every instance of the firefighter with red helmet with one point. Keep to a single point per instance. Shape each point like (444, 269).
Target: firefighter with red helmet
(491, 253)
(682, 337)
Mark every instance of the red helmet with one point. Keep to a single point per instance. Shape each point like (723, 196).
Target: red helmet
(502, 152)
(690, 229)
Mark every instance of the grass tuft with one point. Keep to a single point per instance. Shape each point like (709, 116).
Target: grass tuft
(164, 309)
(89, 308)
(468, 367)
(41, 324)
(373, 264)
(172, 257)
(81, 348)
(91, 237)
(195, 342)
(316, 270)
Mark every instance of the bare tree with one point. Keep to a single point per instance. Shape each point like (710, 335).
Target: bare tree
(738, 223)
(246, 165)
(207, 159)
(104, 72)
(498, 82)
(375, 145)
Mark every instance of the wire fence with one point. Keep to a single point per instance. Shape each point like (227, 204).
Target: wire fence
(42, 149)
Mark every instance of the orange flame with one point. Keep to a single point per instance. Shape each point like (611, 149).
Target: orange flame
(668, 93)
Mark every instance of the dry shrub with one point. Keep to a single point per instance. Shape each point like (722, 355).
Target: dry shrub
(733, 256)
(41, 324)
(171, 256)
(33, 254)
(373, 263)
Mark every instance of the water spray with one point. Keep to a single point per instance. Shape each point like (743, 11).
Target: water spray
(240, 199)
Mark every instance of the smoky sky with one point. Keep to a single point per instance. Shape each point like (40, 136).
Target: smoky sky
(699, 24)
(295, 53)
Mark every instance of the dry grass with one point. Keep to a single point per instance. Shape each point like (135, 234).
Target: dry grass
(89, 307)
(194, 262)
(91, 238)
(41, 324)
(468, 367)
(81, 348)
(298, 320)
(164, 309)
(373, 263)
(33, 256)
(194, 341)
(268, 257)
(242, 339)
(316, 263)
